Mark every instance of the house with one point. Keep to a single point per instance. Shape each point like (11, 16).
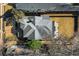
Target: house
(61, 19)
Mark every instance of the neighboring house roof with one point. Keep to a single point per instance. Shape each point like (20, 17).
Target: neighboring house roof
(43, 7)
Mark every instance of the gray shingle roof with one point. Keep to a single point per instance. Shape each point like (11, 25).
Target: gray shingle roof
(42, 7)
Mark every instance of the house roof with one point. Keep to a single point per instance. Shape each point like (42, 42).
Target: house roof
(46, 7)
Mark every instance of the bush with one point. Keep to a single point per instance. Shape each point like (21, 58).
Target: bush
(34, 44)
(59, 47)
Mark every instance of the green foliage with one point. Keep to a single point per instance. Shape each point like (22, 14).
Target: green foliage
(34, 44)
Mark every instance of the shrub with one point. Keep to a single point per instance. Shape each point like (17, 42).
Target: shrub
(60, 47)
(34, 44)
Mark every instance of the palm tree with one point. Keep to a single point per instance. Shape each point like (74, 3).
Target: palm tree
(11, 17)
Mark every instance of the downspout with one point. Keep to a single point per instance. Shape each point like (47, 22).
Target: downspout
(76, 24)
